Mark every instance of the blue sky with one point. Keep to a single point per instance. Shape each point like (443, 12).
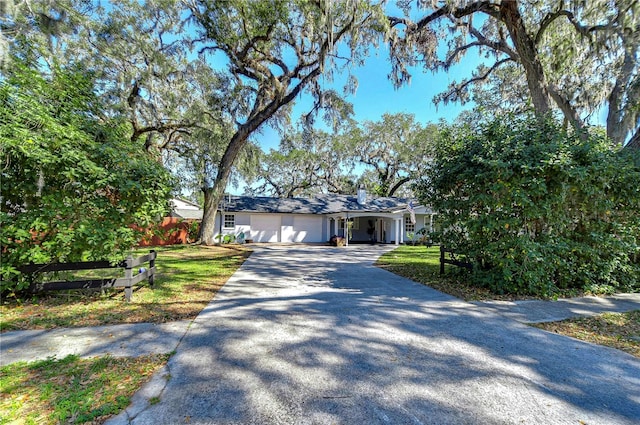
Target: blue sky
(376, 95)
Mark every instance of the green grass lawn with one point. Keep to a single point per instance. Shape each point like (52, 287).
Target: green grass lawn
(71, 390)
(74, 390)
(187, 279)
(422, 264)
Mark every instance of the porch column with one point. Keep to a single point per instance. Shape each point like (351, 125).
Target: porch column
(402, 230)
(328, 227)
(346, 230)
(397, 226)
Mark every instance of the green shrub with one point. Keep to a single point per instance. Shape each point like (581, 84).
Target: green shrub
(73, 183)
(536, 208)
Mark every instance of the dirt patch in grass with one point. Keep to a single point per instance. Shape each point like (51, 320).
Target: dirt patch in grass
(616, 330)
(187, 280)
(72, 390)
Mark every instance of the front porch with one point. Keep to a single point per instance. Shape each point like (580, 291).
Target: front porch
(386, 228)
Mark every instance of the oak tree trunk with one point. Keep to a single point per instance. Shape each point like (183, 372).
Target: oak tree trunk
(526, 48)
(213, 195)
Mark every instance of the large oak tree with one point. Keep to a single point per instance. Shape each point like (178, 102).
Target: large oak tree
(393, 150)
(306, 162)
(574, 56)
(275, 50)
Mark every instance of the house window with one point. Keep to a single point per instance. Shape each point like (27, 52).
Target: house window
(427, 223)
(229, 221)
(408, 225)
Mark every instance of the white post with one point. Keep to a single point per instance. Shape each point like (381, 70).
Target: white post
(346, 231)
(397, 226)
(328, 227)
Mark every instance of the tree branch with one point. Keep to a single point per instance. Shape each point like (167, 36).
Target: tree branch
(397, 186)
(137, 132)
(252, 43)
(569, 111)
(584, 30)
(500, 46)
(479, 6)
(459, 88)
(446, 64)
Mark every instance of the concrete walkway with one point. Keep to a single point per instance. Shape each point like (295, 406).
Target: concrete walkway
(131, 340)
(315, 335)
(532, 311)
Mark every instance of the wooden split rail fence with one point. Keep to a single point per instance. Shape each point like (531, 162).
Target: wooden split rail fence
(451, 260)
(127, 282)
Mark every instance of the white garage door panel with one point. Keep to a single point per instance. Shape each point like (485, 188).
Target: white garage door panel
(265, 228)
(307, 229)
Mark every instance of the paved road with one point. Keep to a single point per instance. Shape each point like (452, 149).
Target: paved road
(310, 335)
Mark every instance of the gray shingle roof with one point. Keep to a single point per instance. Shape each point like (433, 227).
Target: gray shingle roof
(321, 204)
(186, 214)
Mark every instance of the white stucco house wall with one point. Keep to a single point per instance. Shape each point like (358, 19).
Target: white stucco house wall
(317, 219)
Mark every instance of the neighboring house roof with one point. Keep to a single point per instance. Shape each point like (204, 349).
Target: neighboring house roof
(321, 204)
(185, 209)
(183, 204)
(187, 214)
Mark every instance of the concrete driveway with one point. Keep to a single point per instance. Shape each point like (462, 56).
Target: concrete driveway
(317, 335)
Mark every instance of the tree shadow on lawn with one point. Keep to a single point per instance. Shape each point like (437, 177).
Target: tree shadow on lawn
(187, 280)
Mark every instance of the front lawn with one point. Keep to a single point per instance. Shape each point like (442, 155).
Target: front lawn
(422, 264)
(72, 390)
(188, 278)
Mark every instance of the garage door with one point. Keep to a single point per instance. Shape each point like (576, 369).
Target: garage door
(265, 228)
(307, 229)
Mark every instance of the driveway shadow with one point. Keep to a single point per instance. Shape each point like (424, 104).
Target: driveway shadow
(320, 336)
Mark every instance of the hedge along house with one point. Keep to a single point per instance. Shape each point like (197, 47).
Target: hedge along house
(317, 219)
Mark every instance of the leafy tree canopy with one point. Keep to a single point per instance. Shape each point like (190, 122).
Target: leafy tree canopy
(536, 208)
(394, 151)
(73, 183)
(307, 162)
(385, 157)
(572, 56)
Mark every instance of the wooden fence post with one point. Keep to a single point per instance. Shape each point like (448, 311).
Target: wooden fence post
(152, 264)
(128, 274)
(127, 282)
